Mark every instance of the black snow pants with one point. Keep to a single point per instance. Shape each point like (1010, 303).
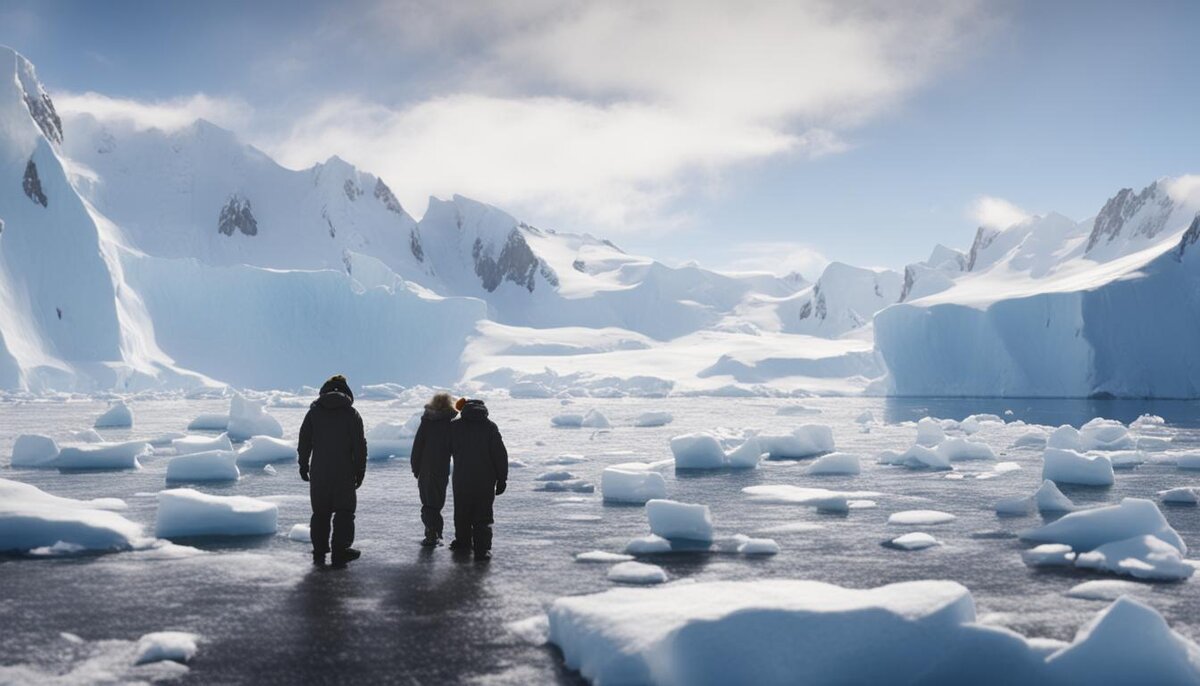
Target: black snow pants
(473, 517)
(432, 487)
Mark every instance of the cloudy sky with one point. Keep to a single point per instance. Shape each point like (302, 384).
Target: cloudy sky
(750, 134)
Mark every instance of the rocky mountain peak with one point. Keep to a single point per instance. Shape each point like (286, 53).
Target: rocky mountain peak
(237, 215)
(983, 238)
(32, 185)
(1145, 214)
(384, 195)
(40, 106)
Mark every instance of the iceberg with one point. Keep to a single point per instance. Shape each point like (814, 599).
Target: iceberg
(1070, 467)
(248, 418)
(263, 450)
(34, 450)
(102, 456)
(212, 465)
(1085, 530)
(632, 485)
(680, 521)
(117, 416)
(184, 512)
(834, 463)
(201, 444)
(30, 518)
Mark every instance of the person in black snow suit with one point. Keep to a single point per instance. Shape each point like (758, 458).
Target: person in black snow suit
(430, 464)
(333, 459)
(480, 474)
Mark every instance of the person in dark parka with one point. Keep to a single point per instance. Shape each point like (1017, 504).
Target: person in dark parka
(430, 463)
(480, 474)
(333, 459)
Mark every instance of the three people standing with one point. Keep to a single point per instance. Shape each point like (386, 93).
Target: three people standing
(333, 459)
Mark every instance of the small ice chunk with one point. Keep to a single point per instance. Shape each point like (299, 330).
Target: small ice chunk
(631, 485)
(1142, 557)
(559, 475)
(201, 444)
(1047, 498)
(758, 546)
(648, 419)
(212, 465)
(632, 572)
(920, 517)
(834, 463)
(915, 540)
(572, 420)
(175, 646)
(87, 436)
(248, 418)
(117, 416)
(1153, 444)
(264, 450)
(920, 457)
(1106, 434)
(595, 419)
(186, 512)
(929, 432)
(796, 411)
(648, 545)
(1049, 555)
(865, 417)
(1106, 589)
(34, 450)
(1184, 495)
(697, 451)
(209, 422)
(602, 556)
(1126, 459)
(568, 485)
(680, 521)
(953, 449)
(745, 456)
(1188, 461)
(1031, 439)
(1088, 529)
(1071, 467)
(566, 458)
(1065, 437)
(299, 533)
(805, 441)
(102, 456)
(30, 518)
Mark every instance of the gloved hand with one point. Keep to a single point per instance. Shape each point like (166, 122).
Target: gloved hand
(500, 486)
(358, 481)
(303, 473)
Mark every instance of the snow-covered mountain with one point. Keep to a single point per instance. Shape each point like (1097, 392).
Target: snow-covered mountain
(135, 259)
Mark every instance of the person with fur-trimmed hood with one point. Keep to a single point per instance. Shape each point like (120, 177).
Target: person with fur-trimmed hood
(430, 464)
(480, 474)
(333, 459)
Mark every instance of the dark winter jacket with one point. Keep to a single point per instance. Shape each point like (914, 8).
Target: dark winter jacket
(480, 458)
(333, 449)
(431, 445)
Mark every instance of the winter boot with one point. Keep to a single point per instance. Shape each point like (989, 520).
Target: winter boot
(318, 559)
(431, 540)
(342, 557)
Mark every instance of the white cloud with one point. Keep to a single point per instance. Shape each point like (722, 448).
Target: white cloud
(995, 213)
(777, 257)
(611, 165)
(1185, 190)
(171, 114)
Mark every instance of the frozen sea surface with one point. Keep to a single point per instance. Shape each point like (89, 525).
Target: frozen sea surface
(407, 615)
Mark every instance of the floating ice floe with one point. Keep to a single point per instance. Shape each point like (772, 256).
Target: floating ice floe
(1188, 461)
(102, 456)
(117, 416)
(623, 485)
(265, 450)
(1062, 465)
(88, 436)
(1184, 495)
(916, 457)
(392, 439)
(248, 418)
(1106, 434)
(930, 432)
(808, 440)
(916, 540)
(567, 485)
(559, 475)
(209, 422)
(1131, 538)
(1106, 589)
(1142, 557)
(186, 512)
(680, 521)
(823, 499)
(1049, 555)
(978, 422)
(1047, 498)
(835, 463)
(30, 518)
(299, 533)
(648, 545)
(756, 546)
(595, 419)
(796, 411)
(1126, 459)
(776, 631)
(34, 450)
(1153, 444)
(920, 517)
(640, 573)
(201, 444)
(703, 451)
(175, 646)
(565, 459)
(649, 419)
(1031, 439)
(602, 556)
(954, 449)
(211, 465)
(567, 420)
